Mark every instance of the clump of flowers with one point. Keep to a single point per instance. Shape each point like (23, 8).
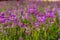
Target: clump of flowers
(30, 24)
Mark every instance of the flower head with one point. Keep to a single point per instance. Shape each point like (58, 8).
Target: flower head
(59, 39)
(24, 16)
(50, 14)
(36, 24)
(41, 18)
(21, 38)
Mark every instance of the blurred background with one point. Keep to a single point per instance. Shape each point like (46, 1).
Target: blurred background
(4, 4)
(30, 0)
(43, 0)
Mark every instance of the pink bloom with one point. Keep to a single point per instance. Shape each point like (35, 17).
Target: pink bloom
(41, 18)
(21, 38)
(50, 14)
(51, 21)
(36, 24)
(3, 14)
(59, 39)
(24, 16)
(27, 32)
(25, 26)
(20, 24)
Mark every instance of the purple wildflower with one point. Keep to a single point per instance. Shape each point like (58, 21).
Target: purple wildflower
(6, 21)
(25, 26)
(59, 39)
(10, 12)
(21, 11)
(27, 32)
(50, 14)
(12, 17)
(2, 19)
(32, 11)
(5, 27)
(10, 24)
(41, 18)
(36, 24)
(21, 38)
(59, 12)
(5, 32)
(18, 4)
(16, 21)
(3, 14)
(24, 16)
(20, 24)
(51, 21)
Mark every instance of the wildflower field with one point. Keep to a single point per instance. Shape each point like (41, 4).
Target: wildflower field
(29, 20)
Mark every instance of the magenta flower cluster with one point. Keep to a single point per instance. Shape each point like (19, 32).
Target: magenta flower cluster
(33, 15)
